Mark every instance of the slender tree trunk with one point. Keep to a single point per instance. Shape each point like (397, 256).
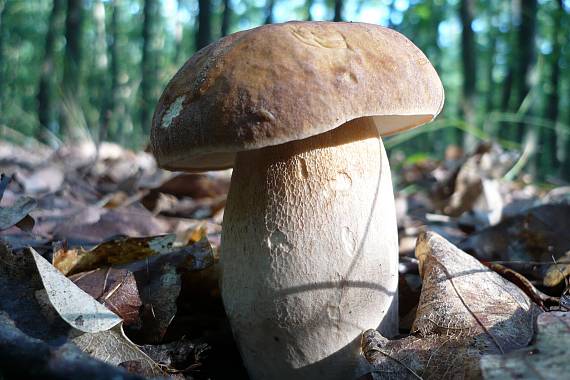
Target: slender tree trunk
(338, 5)
(2, 64)
(526, 58)
(178, 34)
(226, 17)
(269, 11)
(148, 82)
(72, 62)
(468, 60)
(45, 90)
(550, 145)
(491, 85)
(101, 64)
(204, 34)
(308, 6)
(490, 62)
(116, 106)
(112, 98)
(507, 83)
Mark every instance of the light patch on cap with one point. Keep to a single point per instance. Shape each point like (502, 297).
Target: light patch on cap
(172, 112)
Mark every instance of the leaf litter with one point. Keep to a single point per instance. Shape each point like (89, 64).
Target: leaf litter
(100, 217)
(465, 311)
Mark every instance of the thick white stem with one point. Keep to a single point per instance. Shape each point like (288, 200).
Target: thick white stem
(310, 253)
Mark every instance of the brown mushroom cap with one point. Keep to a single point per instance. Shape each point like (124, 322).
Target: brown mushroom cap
(283, 82)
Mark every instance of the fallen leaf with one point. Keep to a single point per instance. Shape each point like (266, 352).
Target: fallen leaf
(465, 311)
(114, 288)
(12, 215)
(556, 273)
(543, 300)
(113, 347)
(76, 307)
(536, 235)
(159, 279)
(113, 252)
(4, 182)
(25, 357)
(29, 330)
(197, 185)
(146, 289)
(178, 355)
(547, 358)
(102, 224)
(27, 224)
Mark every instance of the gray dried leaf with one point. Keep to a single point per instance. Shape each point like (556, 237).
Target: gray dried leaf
(11, 215)
(76, 307)
(465, 311)
(113, 347)
(547, 358)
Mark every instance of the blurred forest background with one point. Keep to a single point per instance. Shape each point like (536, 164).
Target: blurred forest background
(73, 69)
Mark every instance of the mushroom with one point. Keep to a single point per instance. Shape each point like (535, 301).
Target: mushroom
(309, 250)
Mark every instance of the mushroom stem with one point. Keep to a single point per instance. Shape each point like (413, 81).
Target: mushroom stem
(310, 253)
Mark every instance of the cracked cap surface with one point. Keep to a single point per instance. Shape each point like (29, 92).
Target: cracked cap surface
(283, 82)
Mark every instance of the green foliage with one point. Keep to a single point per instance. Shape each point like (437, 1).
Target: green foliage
(119, 84)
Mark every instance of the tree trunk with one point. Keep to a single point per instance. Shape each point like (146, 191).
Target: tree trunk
(178, 35)
(45, 90)
(526, 56)
(549, 140)
(72, 63)
(148, 82)
(338, 10)
(226, 17)
(116, 105)
(308, 6)
(111, 101)
(468, 60)
(269, 11)
(101, 63)
(2, 27)
(204, 34)
(490, 62)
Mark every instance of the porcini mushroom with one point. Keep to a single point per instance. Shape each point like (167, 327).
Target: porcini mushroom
(309, 249)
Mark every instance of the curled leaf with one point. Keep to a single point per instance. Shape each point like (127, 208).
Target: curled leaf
(465, 311)
(113, 252)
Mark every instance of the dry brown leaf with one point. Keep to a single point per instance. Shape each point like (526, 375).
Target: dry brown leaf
(205, 185)
(144, 293)
(543, 300)
(556, 273)
(114, 252)
(465, 311)
(159, 280)
(114, 288)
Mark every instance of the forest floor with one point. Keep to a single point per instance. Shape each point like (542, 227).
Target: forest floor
(145, 244)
